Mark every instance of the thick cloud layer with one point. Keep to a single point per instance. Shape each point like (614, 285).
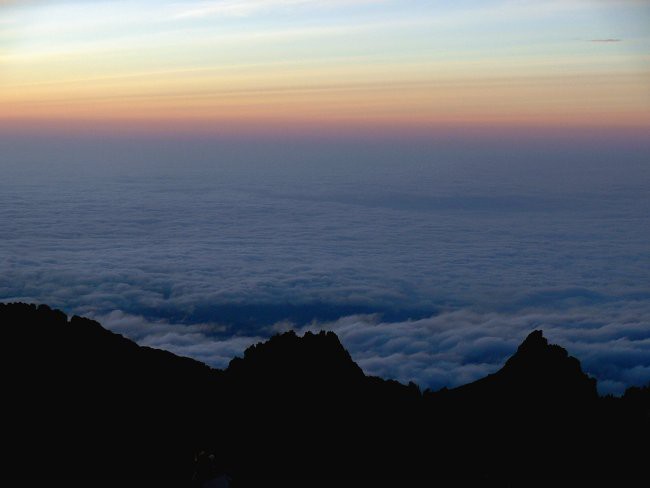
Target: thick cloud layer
(431, 261)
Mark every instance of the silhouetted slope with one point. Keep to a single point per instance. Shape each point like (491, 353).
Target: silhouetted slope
(537, 372)
(312, 418)
(539, 408)
(92, 408)
(86, 407)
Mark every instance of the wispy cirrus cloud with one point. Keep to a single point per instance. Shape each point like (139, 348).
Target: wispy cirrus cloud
(243, 8)
(606, 40)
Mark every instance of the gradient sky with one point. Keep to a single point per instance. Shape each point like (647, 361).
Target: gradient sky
(296, 65)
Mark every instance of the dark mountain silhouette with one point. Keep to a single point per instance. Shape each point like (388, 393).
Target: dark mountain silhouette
(86, 407)
(537, 372)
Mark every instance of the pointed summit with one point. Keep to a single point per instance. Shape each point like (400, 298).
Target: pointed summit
(536, 353)
(538, 372)
(535, 340)
(538, 361)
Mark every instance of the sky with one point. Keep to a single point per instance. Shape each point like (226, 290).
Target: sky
(325, 66)
(432, 180)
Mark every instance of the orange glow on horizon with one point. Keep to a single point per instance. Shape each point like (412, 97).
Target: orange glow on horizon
(502, 101)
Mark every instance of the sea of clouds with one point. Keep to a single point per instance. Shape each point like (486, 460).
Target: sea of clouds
(431, 261)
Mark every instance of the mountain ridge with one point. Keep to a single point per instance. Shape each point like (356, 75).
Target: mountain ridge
(297, 411)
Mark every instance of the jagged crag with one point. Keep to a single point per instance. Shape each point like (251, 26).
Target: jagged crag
(87, 407)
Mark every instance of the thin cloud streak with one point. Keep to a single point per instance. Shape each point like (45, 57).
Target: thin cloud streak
(244, 8)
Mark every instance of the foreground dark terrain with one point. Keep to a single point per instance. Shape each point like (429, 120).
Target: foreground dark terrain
(86, 407)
